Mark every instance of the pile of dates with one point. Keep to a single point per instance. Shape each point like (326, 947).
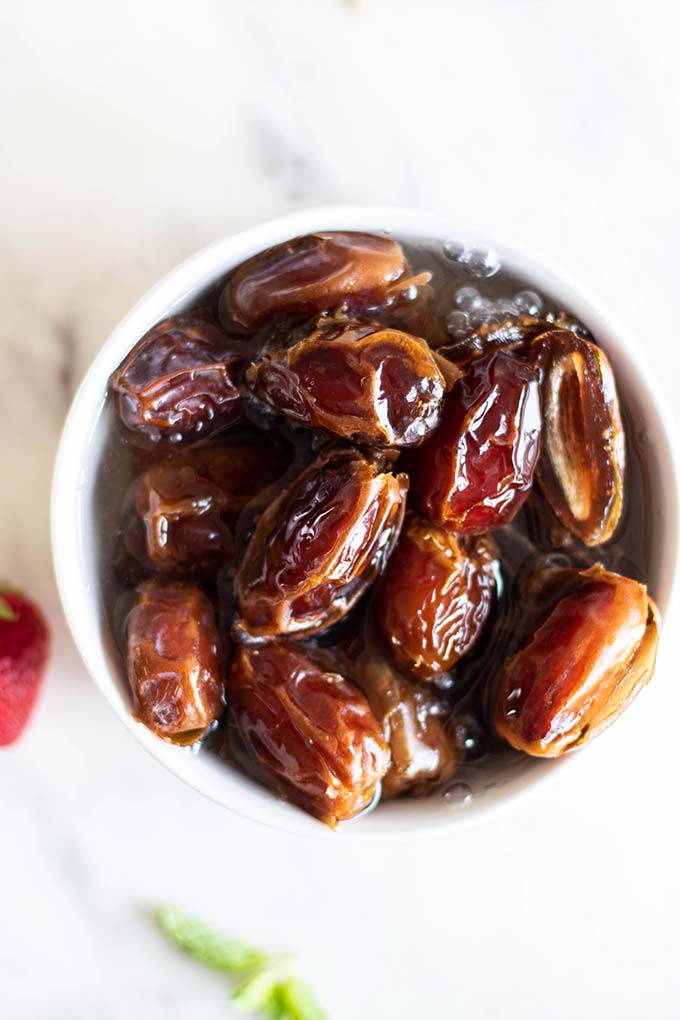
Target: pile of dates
(315, 527)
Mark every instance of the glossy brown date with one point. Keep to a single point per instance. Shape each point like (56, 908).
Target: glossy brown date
(582, 465)
(363, 383)
(319, 546)
(179, 383)
(435, 597)
(417, 723)
(188, 503)
(310, 274)
(475, 472)
(310, 730)
(581, 668)
(424, 753)
(173, 661)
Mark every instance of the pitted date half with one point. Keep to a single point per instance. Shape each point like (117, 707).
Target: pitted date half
(173, 661)
(313, 273)
(179, 383)
(188, 504)
(363, 383)
(475, 472)
(582, 464)
(310, 730)
(435, 596)
(320, 545)
(581, 668)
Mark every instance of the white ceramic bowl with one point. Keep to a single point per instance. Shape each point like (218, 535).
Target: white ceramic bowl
(74, 524)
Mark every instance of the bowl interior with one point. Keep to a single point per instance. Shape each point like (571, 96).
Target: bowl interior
(80, 509)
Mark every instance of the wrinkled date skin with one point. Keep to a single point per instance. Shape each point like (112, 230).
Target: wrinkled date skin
(417, 724)
(312, 731)
(179, 383)
(188, 503)
(319, 546)
(363, 383)
(313, 273)
(173, 661)
(582, 465)
(476, 471)
(581, 669)
(435, 597)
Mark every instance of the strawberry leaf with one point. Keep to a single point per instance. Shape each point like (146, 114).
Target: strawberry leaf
(7, 614)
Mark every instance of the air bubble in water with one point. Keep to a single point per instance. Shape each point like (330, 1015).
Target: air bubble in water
(556, 561)
(482, 263)
(470, 738)
(453, 250)
(458, 793)
(505, 309)
(467, 298)
(481, 316)
(457, 323)
(529, 302)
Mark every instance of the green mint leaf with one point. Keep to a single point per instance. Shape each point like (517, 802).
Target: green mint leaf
(207, 945)
(298, 1001)
(261, 992)
(275, 1008)
(7, 614)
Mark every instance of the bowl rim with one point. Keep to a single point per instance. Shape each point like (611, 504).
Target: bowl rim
(171, 292)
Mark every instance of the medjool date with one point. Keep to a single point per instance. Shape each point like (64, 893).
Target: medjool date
(582, 464)
(311, 730)
(364, 383)
(310, 274)
(434, 597)
(320, 545)
(173, 661)
(475, 472)
(581, 668)
(424, 753)
(179, 383)
(188, 504)
(416, 720)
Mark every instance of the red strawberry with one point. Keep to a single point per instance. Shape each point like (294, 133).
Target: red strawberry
(24, 648)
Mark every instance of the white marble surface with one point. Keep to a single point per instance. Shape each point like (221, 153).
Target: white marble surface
(132, 133)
